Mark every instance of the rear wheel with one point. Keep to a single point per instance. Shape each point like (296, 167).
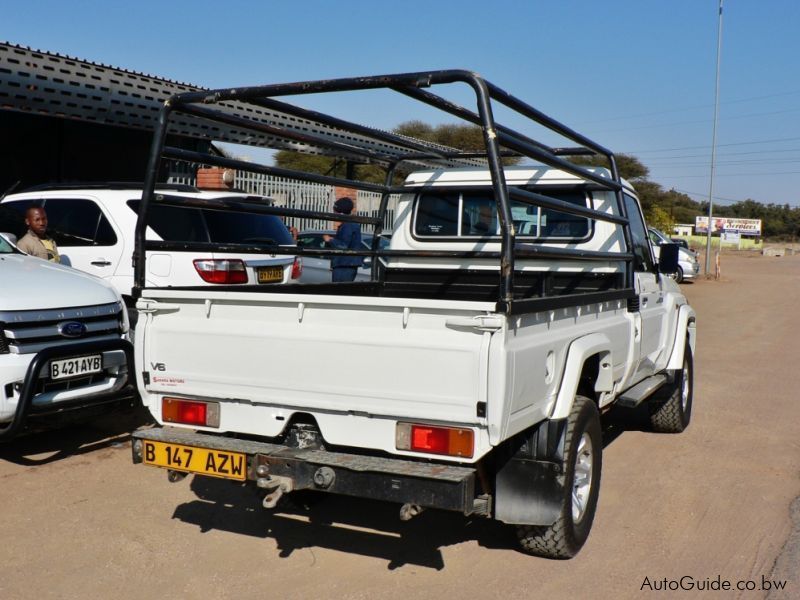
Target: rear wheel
(671, 407)
(583, 462)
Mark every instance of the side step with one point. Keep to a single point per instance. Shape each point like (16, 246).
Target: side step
(633, 397)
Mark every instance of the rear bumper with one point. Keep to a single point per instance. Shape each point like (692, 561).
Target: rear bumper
(27, 405)
(425, 484)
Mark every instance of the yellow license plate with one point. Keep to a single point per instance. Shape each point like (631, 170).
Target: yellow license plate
(269, 274)
(217, 463)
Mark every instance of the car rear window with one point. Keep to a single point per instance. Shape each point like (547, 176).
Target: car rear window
(474, 215)
(177, 224)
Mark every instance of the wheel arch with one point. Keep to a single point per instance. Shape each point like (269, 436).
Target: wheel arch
(686, 330)
(588, 359)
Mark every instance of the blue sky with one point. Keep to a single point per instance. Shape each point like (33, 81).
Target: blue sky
(635, 75)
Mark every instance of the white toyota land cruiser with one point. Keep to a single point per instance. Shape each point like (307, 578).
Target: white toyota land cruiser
(513, 307)
(63, 343)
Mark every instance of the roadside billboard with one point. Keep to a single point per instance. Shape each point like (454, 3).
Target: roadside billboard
(750, 227)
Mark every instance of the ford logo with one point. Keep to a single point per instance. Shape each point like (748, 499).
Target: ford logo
(71, 329)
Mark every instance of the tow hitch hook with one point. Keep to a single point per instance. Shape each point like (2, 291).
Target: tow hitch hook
(276, 487)
(175, 476)
(408, 511)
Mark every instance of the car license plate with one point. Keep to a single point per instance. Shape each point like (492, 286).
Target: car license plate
(75, 367)
(216, 463)
(269, 274)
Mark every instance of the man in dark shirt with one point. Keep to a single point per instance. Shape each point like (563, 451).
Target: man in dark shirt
(348, 237)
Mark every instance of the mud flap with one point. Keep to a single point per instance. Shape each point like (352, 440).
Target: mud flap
(529, 481)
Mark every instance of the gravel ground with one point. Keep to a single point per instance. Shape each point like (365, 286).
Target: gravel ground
(716, 503)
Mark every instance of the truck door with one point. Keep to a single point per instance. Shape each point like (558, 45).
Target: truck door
(649, 320)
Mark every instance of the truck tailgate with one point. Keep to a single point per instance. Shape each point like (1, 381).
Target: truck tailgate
(342, 354)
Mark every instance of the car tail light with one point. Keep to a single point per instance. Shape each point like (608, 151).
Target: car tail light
(219, 270)
(297, 267)
(452, 441)
(190, 412)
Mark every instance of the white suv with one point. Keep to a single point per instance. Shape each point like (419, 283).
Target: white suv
(94, 229)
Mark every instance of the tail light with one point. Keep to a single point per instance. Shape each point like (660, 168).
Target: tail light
(189, 412)
(220, 270)
(297, 267)
(452, 441)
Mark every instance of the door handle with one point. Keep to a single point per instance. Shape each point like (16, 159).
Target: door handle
(100, 262)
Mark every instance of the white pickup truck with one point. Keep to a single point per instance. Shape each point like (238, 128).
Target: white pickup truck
(513, 307)
(64, 350)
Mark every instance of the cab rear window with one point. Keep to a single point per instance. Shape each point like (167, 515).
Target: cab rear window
(177, 224)
(473, 215)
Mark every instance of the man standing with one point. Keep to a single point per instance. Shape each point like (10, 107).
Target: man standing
(348, 237)
(36, 242)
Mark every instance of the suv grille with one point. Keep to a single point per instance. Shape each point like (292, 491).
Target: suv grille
(29, 331)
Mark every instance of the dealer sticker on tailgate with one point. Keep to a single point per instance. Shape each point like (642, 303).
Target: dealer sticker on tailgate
(217, 463)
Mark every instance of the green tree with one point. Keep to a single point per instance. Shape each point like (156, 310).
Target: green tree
(659, 218)
(468, 138)
(629, 167)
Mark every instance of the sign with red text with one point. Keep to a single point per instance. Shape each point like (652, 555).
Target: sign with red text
(725, 224)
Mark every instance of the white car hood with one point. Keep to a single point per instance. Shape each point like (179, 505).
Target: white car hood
(28, 283)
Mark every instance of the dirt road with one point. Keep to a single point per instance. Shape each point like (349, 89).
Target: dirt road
(78, 520)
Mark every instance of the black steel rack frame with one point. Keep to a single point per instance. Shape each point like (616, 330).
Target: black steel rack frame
(356, 143)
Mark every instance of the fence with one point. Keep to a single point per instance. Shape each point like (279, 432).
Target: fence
(292, 193)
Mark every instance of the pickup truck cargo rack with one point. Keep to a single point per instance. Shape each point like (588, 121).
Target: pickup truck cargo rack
(326, 134)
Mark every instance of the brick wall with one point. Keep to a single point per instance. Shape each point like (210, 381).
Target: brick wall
(346, 192)
(215, 178)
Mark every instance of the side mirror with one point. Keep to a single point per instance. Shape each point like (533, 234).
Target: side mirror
(668, 258)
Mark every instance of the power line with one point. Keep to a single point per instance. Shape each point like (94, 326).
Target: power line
(687, 108)
(737, 174)
(696, 164)
(732, 118)
(772, 141)
(725, 154)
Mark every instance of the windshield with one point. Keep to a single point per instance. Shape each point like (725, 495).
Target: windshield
(657, 237)
(5, 247)
(315, 239)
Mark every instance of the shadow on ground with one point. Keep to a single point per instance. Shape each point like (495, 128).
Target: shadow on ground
(350, 525)
(48, 445)
(357, 526)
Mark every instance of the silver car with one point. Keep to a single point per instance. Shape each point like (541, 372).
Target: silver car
(317, 269)
(688, 266)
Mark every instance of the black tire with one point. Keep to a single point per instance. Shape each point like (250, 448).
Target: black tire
(678, 275)
(671, 407)
(565, 537)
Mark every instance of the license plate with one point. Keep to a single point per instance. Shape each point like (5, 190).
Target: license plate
(74, 367)
(216, 463)
(269, 274)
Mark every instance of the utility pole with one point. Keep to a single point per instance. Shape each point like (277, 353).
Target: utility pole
(714, 150)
